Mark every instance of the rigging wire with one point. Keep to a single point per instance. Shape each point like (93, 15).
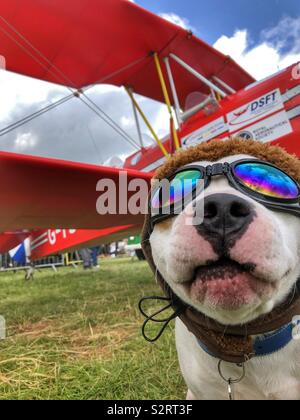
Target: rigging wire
(93, 106)
(110, 119)
(48, 108)
(94, 143)
(34, 115)
(132, 142)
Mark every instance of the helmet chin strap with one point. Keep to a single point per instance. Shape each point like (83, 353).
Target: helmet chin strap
(178, 308)
(233, 344)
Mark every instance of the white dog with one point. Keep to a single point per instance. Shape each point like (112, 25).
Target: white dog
(260, 271)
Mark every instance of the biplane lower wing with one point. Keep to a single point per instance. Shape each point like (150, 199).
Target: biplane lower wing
(54, 241)
(40, 193)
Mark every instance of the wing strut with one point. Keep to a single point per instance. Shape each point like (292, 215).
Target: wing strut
(198, 75)
(216, 93)
(147, 122)
(167, 100)
(137, 123)
(174, 91)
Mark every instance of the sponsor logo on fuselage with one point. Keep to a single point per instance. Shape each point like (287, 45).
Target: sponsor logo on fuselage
(207, 132)
(256, 109)
(246, 135)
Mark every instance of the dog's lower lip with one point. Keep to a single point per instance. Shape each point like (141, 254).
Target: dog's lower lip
(221, 268)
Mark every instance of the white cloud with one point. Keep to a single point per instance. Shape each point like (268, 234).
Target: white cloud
(161, 124)
(267, 57)
(177, 20)
(72, 131)
(285, 36)
(17, 89)
(127, 122)
(25, 141)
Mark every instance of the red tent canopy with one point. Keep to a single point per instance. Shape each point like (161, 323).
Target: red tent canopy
(83, 42)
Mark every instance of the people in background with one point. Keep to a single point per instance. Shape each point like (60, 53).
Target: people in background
(95, 251)
(86, 256)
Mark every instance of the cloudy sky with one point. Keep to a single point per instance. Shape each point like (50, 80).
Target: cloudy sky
(261, 35)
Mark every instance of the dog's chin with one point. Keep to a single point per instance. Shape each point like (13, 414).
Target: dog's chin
(229, 292)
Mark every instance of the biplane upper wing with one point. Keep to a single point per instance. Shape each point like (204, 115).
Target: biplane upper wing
(42, 193)
(83, 42)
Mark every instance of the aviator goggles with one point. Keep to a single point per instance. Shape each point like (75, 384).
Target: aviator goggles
(260, 180)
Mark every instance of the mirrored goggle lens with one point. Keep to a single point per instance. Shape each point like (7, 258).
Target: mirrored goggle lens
(175, 191)
(267, 180)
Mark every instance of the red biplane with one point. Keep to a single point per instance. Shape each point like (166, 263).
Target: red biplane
(81, 43)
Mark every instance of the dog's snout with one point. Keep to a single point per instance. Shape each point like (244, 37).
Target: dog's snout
(226, 218)
(226, 211)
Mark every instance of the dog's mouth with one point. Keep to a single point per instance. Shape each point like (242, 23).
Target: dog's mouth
(228, 285)
(221, 269)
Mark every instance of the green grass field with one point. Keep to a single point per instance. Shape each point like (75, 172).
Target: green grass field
(76, 335)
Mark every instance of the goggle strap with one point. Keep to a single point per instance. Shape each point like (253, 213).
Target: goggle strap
(218, 169)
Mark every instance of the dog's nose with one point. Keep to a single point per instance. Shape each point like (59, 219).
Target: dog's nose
(226, 218)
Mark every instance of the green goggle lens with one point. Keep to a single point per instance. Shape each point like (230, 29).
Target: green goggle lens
(181, 186)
